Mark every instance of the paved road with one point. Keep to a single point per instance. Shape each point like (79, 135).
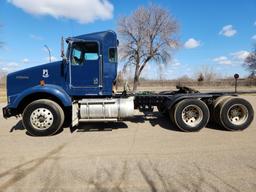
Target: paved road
(142, 154)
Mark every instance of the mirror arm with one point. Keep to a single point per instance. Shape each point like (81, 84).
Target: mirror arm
(62, 54)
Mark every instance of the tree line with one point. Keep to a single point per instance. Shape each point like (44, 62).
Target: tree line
(149, 34)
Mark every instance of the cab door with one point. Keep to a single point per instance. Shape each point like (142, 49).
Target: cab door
(85, 64)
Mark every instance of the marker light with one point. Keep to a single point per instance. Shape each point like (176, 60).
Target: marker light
(42, 83)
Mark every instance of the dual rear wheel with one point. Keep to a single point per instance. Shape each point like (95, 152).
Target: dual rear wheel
(231, 113)
(190, 115)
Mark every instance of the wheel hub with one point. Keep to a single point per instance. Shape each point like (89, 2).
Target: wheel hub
(192, 115)
(237, 114)
(41, 118)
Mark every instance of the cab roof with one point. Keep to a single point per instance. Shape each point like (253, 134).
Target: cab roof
(99, 36)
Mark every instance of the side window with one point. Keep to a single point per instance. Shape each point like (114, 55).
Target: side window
(77, 58)
(84, 51)
(91, 51)
(91, 56)
(112, 55)
(77, 53)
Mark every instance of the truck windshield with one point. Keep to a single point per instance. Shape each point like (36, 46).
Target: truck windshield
(83, 51)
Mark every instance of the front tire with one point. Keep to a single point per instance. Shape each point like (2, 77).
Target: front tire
(190, 115)
(43, 117)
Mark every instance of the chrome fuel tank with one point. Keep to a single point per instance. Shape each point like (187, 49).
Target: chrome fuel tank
(112, 108)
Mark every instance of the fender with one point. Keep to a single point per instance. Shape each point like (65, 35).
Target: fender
(174, 99)
(54, 90)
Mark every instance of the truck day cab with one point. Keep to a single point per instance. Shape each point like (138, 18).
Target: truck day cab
(79, 88)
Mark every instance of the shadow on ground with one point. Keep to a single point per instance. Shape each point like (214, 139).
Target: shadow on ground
(83, 127)
(215, 126)
(154, 118)
(18, 126)
(100, 126)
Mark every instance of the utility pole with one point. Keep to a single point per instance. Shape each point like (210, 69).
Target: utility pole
(49, 51)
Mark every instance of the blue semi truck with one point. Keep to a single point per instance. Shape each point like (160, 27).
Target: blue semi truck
(80, 88)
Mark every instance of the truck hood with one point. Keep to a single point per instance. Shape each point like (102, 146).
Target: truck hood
(51, 73)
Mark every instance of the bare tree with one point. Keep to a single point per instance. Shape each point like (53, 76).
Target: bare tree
(200, 78)
(208, 73)
(148, 35)
(250, 62)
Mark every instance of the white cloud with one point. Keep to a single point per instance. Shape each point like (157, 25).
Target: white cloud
(228, 31)
(5, 69)
(83, 11)
(240, 55)
(25, 60)
(11, 66)
(254, 37)
(176, 63)
(53, 58)
(233, 58)
(35, 37)
(222, 60)
(191, 43)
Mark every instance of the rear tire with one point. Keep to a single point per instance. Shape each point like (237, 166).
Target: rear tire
(213, 117)
(190, 115)
(43, 117)
(234, 114)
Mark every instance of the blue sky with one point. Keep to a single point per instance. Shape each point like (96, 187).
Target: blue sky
(216, 33)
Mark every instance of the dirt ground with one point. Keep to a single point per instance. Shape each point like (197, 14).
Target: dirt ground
(142, 154)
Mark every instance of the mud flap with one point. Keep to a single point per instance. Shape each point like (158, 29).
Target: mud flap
(75, 119)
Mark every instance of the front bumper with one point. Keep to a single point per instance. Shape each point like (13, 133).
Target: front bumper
(7, 112)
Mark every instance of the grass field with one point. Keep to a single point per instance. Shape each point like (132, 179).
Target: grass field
(2, 94)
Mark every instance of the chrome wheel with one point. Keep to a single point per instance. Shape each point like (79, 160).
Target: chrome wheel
(238, 114)
(192, 115)
(41, 118)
